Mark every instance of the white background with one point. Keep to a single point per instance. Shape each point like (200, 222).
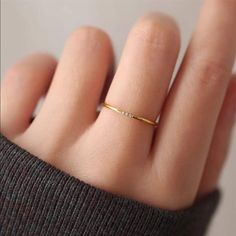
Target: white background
(43, 25)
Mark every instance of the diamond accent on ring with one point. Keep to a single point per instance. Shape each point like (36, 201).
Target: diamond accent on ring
(125, 113)
(130, 115)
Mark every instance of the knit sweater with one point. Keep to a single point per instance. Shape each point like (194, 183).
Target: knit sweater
(39, 199)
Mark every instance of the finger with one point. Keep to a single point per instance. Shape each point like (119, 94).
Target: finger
(220, 143)
(77, 85)
(142, 79)
(21, 89)
(191, 111)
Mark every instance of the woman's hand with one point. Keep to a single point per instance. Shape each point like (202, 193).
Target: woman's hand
(167, 167)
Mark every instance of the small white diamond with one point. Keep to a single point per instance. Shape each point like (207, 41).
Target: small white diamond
(125, 113)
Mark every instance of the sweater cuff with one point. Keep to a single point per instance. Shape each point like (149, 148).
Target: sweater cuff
(39, 199)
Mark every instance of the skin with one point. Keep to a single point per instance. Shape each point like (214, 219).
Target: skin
(168, 167)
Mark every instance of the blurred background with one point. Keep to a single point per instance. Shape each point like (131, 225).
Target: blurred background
(43, 25)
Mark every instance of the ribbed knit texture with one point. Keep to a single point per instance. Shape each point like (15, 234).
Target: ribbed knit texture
(38, 199)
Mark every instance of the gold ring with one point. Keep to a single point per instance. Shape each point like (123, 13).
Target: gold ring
(130, 115)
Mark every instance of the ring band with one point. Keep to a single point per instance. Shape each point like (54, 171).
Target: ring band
(130, 115)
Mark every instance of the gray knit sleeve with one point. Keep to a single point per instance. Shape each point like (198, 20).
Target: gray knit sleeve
(38, 199)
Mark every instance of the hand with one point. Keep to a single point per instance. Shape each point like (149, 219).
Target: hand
(167, 167)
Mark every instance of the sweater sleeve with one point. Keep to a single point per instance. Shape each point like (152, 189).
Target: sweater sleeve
(39, 199)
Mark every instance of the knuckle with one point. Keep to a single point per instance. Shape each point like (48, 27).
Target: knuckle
(89, 35)
(211, 73)
(45, 57)
(158, 31)
(29, 66)
(18, 72)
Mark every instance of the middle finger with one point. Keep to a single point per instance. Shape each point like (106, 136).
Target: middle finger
(191, 111)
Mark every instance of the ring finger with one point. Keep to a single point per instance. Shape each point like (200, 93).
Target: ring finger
(141, 81)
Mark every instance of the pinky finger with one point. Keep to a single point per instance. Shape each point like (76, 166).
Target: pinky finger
(220, 143)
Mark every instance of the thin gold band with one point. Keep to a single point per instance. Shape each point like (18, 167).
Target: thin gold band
(130, 115)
